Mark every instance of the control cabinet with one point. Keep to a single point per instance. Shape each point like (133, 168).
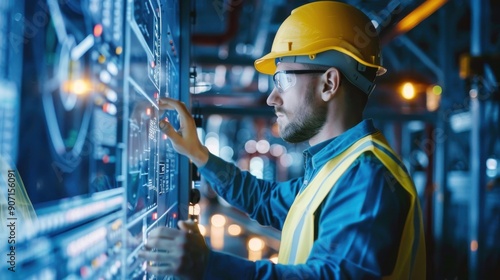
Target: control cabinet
(85, 141)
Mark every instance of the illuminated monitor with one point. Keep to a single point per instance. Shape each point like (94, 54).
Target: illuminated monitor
(98, 171)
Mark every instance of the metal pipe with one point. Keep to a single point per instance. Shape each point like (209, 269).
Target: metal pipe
(479, 35)
(412, 19)
(441, 192)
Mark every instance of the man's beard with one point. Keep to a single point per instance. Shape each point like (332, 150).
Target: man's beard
(307, 122)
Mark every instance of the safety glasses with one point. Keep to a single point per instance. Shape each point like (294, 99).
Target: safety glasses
(286, 79)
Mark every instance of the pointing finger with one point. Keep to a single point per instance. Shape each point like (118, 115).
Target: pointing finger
(172, 104)
(185, 118)
(169, 130)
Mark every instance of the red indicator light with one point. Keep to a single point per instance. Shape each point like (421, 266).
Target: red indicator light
(153, 64)
(155, 215)
(84, 271)
(156, 95)
(105, 158)
(98, 30)
(109, 108)
(174, 215)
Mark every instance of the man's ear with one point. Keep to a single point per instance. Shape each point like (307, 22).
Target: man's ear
(331, 83)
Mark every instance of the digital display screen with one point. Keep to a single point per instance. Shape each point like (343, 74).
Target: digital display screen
(96, 168)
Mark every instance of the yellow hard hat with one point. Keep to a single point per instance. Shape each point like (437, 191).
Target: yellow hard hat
(326, 26)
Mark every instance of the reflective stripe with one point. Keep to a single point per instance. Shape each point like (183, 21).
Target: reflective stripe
(298, 229)
(297, 232)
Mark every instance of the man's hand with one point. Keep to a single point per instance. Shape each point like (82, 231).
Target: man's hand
(185, 140)
(182, 252)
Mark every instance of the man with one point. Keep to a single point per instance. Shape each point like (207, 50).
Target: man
(355, 213)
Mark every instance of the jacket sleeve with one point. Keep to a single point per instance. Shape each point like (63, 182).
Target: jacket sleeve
(264, 201)
(359, 231)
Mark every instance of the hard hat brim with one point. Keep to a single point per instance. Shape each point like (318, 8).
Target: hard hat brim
(267, 65)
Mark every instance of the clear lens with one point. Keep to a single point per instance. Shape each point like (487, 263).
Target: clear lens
(284, 81)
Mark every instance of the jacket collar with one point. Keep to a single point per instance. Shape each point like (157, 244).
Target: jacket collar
(328, 149)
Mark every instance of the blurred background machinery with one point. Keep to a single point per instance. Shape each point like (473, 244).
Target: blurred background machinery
(438, 105)
(79, 82)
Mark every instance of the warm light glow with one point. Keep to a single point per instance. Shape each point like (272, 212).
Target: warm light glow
(194, 209)
(98, 30)
(433, 97)
(234, 230)
(256, 244)
(419, 14)
(116, 225)
(218, 220)
(78, 87)
(473, 245)
(217, 236)
(118, 50)
(274, 258)
(101, 59)
(203, 229)
(408, 91)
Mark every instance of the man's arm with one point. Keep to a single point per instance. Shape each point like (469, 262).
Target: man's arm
(264, 201)
(184, 140)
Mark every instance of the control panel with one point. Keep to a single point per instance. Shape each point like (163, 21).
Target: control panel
(96, 168)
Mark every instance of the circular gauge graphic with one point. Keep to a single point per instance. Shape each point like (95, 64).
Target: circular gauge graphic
(66, 88)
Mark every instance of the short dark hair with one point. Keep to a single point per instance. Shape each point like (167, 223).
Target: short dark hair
(356, 98)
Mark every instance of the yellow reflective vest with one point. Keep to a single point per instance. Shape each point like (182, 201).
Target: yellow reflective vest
(298, 230)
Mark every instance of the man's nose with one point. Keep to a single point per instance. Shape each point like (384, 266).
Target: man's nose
(274, 98)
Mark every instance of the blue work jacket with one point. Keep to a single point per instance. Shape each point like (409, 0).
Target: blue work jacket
(358, 226)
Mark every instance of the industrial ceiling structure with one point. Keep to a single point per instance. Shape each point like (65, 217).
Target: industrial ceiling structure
(422, 40)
